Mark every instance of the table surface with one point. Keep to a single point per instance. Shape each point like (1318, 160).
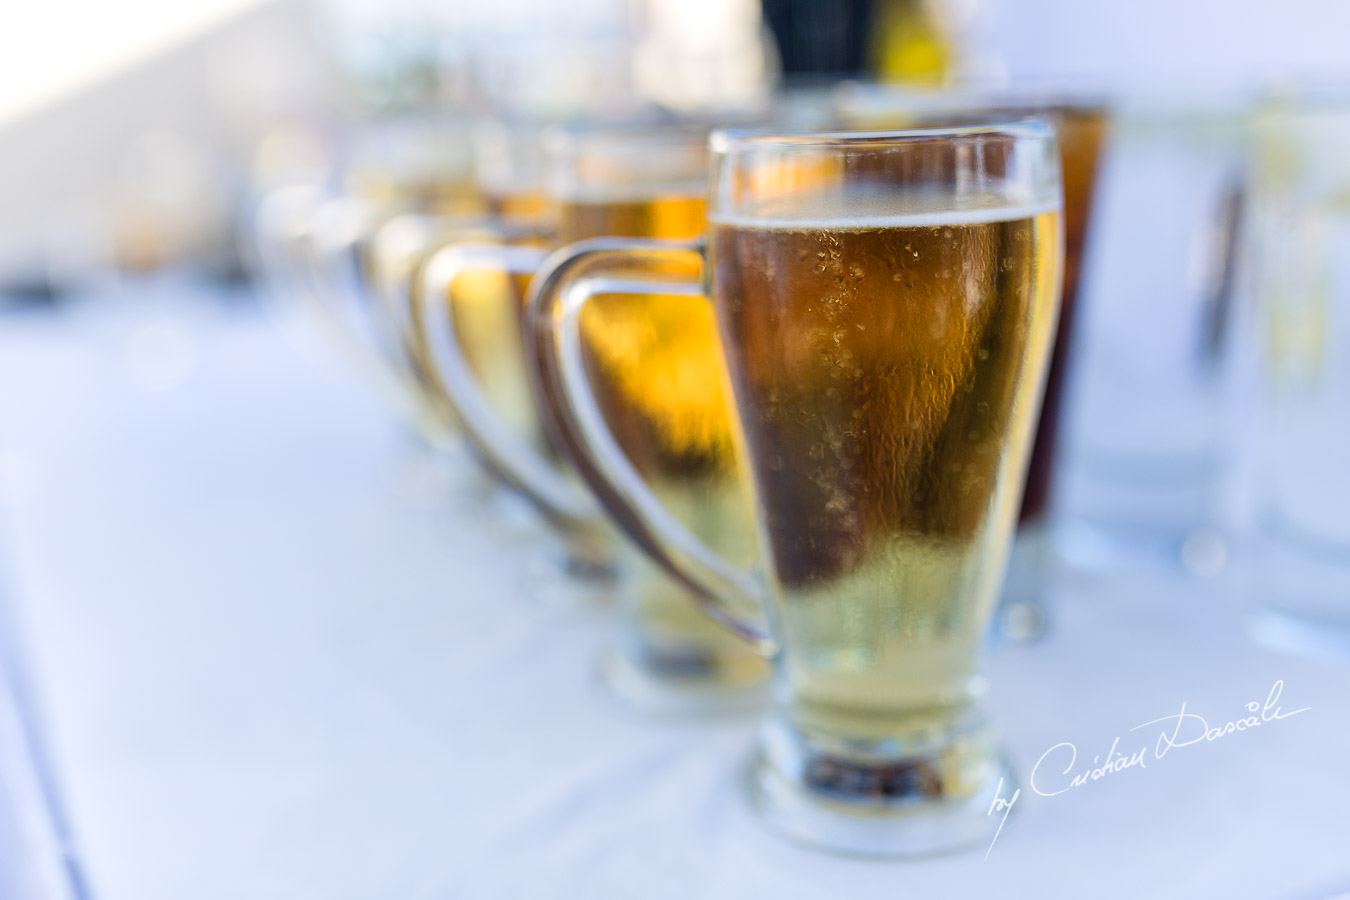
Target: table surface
(32, 858)
(281, 652)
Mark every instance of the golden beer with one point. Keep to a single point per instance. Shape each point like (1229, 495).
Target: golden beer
(1083, 128)
(488, 306)
(1082, 135)
(416, 163)
(486, 302)
(655, 365)
(428, 194)
(886, 372)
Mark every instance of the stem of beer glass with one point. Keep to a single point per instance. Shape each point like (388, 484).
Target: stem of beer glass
(507, 453)
(575, 277)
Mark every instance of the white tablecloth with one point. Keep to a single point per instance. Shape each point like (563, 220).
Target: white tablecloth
(273, 666)
(32, 853)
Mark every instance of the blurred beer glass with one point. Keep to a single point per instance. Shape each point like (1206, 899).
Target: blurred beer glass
(317, 243)
(885, 308)
(1302, 274)
(1083, 123)
(508, 187)
(461, 313)
(413, 163)
(662, 393)
(1146, 430)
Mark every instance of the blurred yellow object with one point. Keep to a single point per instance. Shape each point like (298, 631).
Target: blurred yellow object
(910, 44)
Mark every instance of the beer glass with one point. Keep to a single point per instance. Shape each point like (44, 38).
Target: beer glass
(663, 394)
(487, 301)
(1301, 255)
(885, 307)
(414, 164)
(1083, 124)
(316, 244)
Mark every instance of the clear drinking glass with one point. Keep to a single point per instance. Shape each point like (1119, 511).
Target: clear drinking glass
(662, 394)
(408, 165)
(885, 305)
(513, 219)
(343, 253)
(1147, 410)
(1301, 252)
(455, 293)
(315, 247)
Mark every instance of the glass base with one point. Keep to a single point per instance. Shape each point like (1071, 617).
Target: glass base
(1304, 583)
(1098, 549)
(560, 579)
(687, 682)
(1023, 613)
(872, 799)
(429, 476)
(1303, 633)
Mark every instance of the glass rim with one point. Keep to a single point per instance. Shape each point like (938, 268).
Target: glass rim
(727, 140)
(1041, 96)
(624, 137)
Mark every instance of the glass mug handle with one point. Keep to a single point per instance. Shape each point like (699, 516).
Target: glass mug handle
(506, 453)
(577, 275)
(414, 237)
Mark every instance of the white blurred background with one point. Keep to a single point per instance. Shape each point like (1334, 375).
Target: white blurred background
(126, 129)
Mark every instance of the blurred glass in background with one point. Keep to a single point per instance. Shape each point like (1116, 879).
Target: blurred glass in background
(1151, 401)
(1301, 266)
